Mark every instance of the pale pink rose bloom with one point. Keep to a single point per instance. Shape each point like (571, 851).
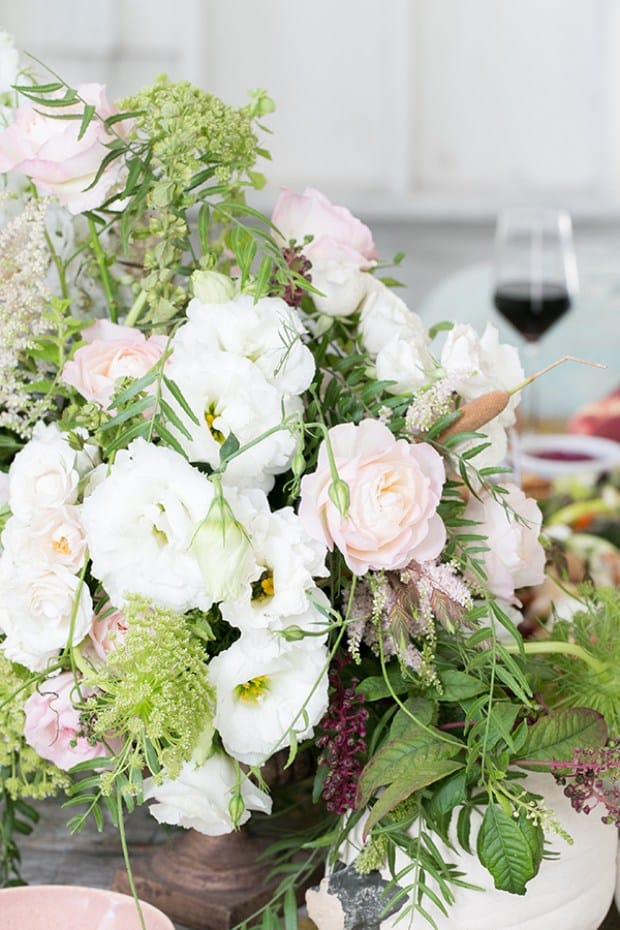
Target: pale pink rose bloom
(333, 227)
(53, 723)
(394, 489)
(515, 557)
(107, 632)
(112, 352)
(48, 151)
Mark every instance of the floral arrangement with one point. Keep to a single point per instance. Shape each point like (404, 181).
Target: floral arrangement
(252, 507)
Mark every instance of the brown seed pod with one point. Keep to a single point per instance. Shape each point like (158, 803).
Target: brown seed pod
(477, 413)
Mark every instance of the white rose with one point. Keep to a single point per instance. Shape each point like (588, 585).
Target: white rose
(406, 362)
(52, 538)
(515, 558)
(42, 475)
(384, 315)
(139, 522)
(9, 62)
(263, 691)
(341, 283)
(229, 394)
(36, 612)
(489, 365)
(268, 333)
(199, 797)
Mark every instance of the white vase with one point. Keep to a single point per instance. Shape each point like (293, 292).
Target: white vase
(572, 892)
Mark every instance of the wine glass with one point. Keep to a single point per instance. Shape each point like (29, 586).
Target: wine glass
(535, 276)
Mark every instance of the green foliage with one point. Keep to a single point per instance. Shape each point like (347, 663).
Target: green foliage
(511, 849)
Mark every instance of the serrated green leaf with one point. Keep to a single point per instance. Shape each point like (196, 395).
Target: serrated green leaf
(423, 774)
(404, 758)
(505, 850)
(555, 736)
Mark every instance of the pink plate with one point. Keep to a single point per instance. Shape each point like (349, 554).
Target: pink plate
(73, 907)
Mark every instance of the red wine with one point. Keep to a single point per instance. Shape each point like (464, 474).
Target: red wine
(531, 311)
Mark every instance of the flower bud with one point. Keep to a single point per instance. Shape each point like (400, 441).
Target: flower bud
(224, 552)
(212, 287)
(293, 634)
(236, 809)
(339, 495)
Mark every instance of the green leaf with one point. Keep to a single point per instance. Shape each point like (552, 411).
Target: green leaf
(459, 686)
(555, 736)
(505, 850)
(375, 687)
(140, 384)
(228, 448)
(89, 112)
(169, 439)
(403, 724)
(403, 759)
(172, 416)
(450, 794)
(138, 407)
(416, 777)
(180, 399)
(141, 428)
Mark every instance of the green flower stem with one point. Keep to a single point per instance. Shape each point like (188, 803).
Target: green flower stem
(550, 646)
(125, 848)
(136, 309)
(102, 264)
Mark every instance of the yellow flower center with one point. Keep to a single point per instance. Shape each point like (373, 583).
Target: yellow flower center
(253, 690)
(62, 545)
(264, 587)
(210, 415)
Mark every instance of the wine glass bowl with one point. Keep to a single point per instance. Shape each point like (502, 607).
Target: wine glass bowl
(535, 273)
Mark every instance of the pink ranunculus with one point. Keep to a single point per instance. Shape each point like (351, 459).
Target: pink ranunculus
(394, 490)
(53, 724)
(49, 151)
(112, 352)
(333, 227)
(515, 557)
(107, 632)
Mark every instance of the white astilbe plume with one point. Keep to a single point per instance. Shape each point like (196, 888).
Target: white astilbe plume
(23, 298)
(427, 406)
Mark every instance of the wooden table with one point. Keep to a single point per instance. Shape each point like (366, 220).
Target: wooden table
(51, 856)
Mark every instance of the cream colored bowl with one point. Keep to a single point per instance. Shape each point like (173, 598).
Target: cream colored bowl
(72, 907)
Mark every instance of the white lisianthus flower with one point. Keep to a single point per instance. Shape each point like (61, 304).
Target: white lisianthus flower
(36, 612)
(199, 797)
(9, 62)
(290, 559)
(229, 394)
(212, 287)
(268, 333)
(43, 474)
(265, 689)
(224, 551)
(139, 522)
(52, 538)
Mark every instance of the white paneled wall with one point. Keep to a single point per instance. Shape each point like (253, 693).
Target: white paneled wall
(396, 106)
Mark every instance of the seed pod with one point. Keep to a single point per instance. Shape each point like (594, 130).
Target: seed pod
(477, 413)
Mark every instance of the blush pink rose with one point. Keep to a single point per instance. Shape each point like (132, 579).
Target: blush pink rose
(53, 724)
(112, 352)
(341, 250)
(515, 556)
(394, 490)
(107, 632)
(49, 151)
(334, 228)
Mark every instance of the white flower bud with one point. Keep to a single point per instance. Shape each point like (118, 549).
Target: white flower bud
(212, 287)
(223, 551)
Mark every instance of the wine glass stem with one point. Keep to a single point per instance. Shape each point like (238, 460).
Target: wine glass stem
(531, 412)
